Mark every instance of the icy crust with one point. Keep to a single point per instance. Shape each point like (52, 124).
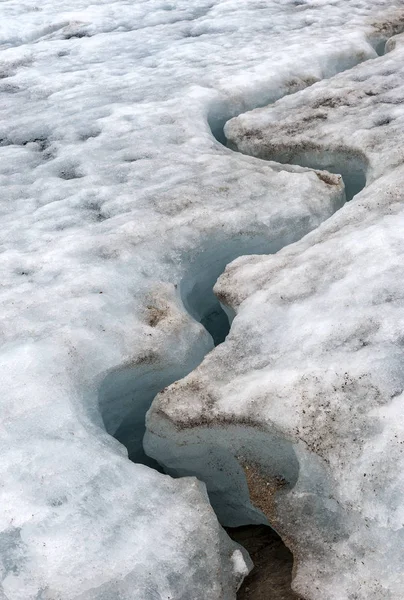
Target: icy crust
(116, 204)
(297, 419)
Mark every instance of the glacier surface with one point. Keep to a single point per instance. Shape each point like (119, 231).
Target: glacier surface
(120, 207)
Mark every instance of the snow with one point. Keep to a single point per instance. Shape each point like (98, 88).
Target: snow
(306, 395)
(119, 210)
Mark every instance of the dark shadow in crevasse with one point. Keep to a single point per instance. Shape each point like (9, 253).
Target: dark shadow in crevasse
(380, 46)
(271, 576)
(217, 323)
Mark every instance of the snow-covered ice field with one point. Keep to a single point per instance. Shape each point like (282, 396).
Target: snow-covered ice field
(120, 207)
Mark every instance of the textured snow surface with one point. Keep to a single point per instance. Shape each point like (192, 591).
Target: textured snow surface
(119, 210)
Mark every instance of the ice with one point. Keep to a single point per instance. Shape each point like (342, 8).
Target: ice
(296, 420)
(119, 210)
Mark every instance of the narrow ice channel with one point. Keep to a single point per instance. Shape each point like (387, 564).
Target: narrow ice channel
(141, 383)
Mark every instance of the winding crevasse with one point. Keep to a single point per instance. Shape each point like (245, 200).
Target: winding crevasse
(288, 420)
(112, 188)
